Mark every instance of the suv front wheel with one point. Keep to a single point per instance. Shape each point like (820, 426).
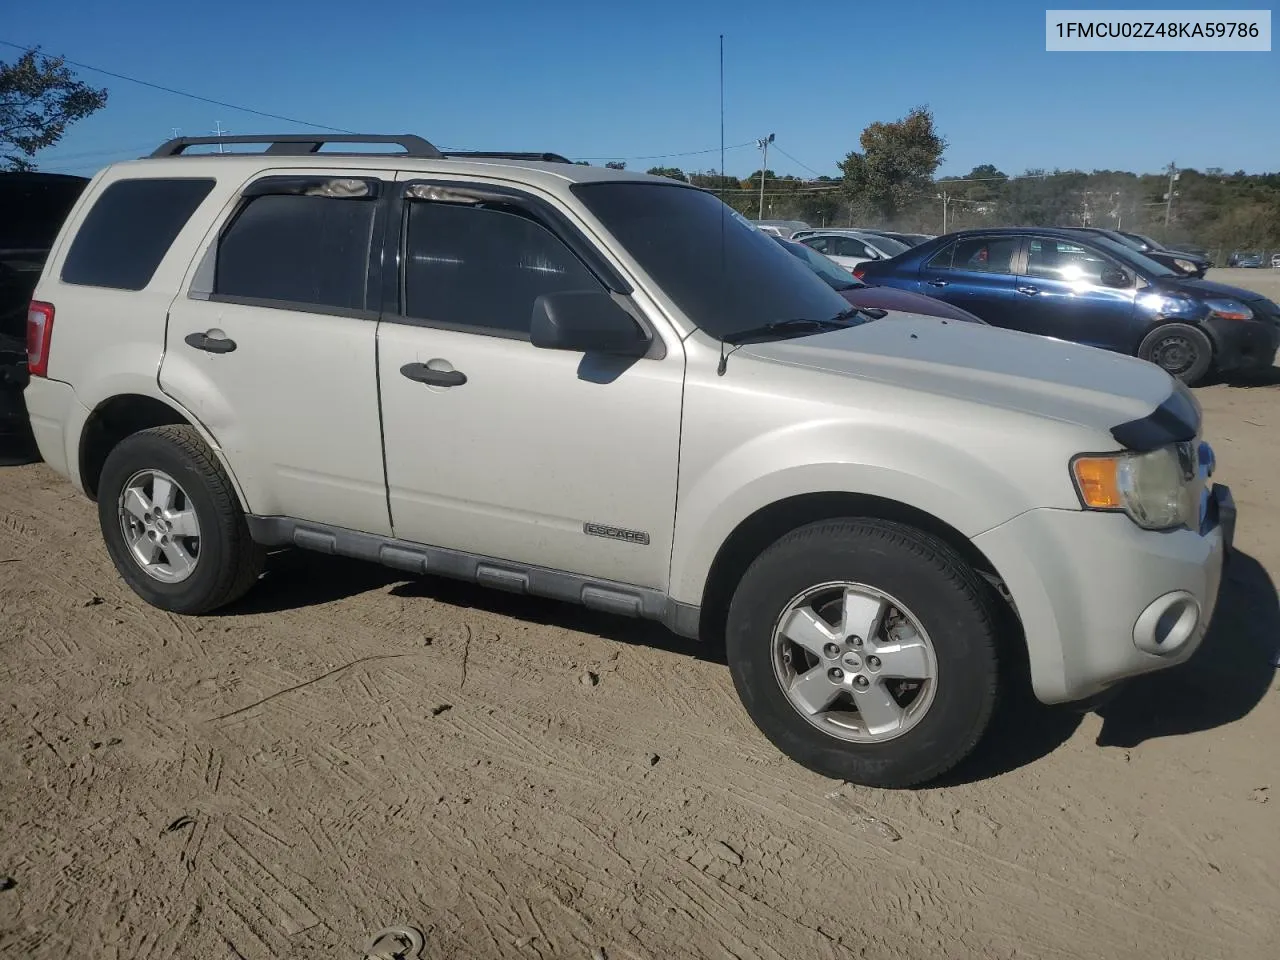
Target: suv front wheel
(865, 650)
(173, 524)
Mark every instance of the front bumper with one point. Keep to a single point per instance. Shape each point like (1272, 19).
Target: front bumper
(1244, 344)
(1101, 599)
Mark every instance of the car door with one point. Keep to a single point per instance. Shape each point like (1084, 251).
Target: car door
(273, 344)
(1073, 290)
(976, 273)
(542, 457)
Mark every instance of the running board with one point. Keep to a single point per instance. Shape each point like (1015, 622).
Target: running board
(607, 596)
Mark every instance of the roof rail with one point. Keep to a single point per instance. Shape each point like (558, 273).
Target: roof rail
(506, 155)
(295, 144)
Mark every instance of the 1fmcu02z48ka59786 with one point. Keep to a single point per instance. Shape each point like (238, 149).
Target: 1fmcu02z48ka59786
(603, 387)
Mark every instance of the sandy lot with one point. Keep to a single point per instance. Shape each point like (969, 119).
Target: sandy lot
(347, 749)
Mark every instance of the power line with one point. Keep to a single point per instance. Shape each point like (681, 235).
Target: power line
(181, 93)
(668, 156)
(801, 163)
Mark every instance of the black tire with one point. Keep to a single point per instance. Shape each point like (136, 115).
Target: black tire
(1181, 350)
(229, 562)
(953, 604)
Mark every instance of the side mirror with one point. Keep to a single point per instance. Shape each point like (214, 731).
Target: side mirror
(586, 321)
(1115, 277)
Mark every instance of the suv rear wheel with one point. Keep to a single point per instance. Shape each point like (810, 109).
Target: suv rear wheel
(866, 651)
(172, 522)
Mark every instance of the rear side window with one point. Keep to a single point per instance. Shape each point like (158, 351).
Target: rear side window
(984, 254)
(128, 231)
(299, 250)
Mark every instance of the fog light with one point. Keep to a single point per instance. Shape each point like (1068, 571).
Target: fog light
(1167, 624)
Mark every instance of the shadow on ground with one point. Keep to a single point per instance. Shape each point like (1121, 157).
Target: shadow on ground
(1225, 679)
(1270, 377)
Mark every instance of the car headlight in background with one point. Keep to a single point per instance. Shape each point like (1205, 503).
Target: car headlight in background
(1153, 488)
(1186, 265)
(1229, 309)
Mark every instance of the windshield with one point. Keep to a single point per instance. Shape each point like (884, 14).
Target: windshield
(1133, 258)
(724, 276)
(836, 277)
(887, 244)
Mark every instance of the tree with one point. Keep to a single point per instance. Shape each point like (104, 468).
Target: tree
(896, 166)
(39, 98)
(671, 173)
(617, 164)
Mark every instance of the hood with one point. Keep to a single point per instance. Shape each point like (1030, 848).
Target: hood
(1208, 289)
(985, 365)
(892, 298)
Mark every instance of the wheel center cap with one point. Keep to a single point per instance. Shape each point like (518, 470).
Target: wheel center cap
(852, 661)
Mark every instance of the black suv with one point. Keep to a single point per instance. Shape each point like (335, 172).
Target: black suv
(32, 208)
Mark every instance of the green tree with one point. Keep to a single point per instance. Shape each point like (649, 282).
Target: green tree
(896, 166)
(39, 98)
(617, 164)
(671, 173)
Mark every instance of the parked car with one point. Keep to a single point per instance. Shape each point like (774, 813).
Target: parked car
(875, 298)
(599, 386)
(781, 228)
(1148, 244)
(1246, 260)
(1275, 260)
(1075, 286)
(1186, 264)
(908, 239)
(32, 209)
(849, 248)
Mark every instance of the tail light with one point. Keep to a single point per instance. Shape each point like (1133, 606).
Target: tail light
(857, 272)
(39, 333)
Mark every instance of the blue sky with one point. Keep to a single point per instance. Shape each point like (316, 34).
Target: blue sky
(630, 81)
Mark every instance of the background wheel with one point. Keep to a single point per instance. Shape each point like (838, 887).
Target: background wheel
(172, 522)
(866, 651)
(1180, 350)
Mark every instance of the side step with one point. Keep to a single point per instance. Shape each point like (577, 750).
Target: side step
(605, 595)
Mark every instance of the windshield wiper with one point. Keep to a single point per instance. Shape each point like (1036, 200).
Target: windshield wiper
(795, 327)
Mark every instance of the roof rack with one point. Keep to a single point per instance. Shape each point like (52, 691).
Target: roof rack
(303, 144)
(506, 155)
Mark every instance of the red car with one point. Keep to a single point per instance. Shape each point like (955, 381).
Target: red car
(884, 298)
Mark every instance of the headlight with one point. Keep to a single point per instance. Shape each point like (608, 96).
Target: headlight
(1152, 488)
(1229, 309)
(1186, 265)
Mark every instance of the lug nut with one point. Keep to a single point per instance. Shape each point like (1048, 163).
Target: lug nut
(855, 641)
(835, 674)
(861, 681)
(873, 663)
(831, 651)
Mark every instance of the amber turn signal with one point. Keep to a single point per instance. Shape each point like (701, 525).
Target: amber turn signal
(1098, 482)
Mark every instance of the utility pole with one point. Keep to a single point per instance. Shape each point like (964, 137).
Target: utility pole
(176, 132)
(945, 197)
(764, 165)
(1168, 199)
(218, 132)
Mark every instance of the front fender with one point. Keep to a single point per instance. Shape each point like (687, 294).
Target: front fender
(953, 482)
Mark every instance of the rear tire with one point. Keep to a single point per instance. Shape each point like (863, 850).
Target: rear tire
(1181, 350)
(191, 553)
(924, 610)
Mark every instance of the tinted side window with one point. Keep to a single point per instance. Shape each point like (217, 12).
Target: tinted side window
(128, 231)
(1063, 260)
(299, 250)
(849, 247)
(984, 254)
(942, 259)
(475, 266)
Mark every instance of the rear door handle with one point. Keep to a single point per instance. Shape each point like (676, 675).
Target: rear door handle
(435, 378)
(1029, 291)
(210, 344)
(936, 283)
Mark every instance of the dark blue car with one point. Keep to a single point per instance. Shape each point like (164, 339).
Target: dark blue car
(1092, 290)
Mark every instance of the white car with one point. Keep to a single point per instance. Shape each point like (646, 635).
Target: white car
(537, 376)
(851, 247)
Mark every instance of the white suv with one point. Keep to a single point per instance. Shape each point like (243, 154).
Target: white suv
(602, 387)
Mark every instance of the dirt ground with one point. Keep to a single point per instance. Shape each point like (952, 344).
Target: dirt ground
(347, 749)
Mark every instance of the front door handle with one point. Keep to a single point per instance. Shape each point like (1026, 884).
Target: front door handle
(209, 343)
(435, 378)
(936, 283)
(1029, 291)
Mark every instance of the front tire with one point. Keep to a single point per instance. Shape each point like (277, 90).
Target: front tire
(173, 524)
(865, 650)
(1180, 350)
